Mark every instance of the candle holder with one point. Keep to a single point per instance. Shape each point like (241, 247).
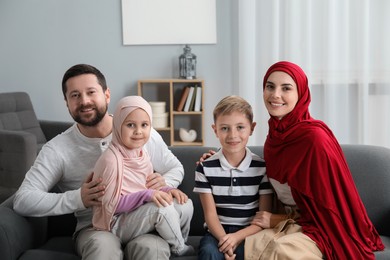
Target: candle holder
(187, 64)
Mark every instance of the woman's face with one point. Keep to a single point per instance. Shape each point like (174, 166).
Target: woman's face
(280, 94)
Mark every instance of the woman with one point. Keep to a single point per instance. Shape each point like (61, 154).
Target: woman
(310, 175)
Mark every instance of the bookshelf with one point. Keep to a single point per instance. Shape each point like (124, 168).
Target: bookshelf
(171, 91)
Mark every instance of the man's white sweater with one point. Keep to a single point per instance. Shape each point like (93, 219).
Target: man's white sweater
(65, 161)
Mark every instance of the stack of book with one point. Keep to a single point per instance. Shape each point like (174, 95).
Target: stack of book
(191, 99)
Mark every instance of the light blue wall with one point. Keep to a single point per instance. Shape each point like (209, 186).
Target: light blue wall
(41, 39)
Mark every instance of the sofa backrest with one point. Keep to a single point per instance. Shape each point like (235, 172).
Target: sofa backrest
(369, 165)
(17, 114)
(21, 138)
(188, 156)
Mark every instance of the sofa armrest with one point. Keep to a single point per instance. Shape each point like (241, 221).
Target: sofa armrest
(52, 128)
(18, 145)
(16, 234)
(18, 150)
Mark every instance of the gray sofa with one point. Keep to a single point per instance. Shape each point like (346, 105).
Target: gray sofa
(50, 238)
(21, 137)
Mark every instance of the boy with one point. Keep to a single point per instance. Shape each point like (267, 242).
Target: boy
(232, 184)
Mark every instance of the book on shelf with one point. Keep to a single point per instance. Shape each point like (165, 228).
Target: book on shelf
(192, 104)
(198, 99)
(183, 98)
(189, 98)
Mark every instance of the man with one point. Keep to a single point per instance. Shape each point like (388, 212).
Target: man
(67, 161)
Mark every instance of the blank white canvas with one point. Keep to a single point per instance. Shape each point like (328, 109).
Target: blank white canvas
(169, 22)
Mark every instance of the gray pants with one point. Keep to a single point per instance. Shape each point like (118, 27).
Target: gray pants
(102, 245)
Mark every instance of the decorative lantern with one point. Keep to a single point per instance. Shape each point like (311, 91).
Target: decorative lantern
(187, 64)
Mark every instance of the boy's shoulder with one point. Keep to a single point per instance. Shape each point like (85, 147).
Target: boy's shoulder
(214, 157)
(213, 160)
(255, 157)
(250, 158)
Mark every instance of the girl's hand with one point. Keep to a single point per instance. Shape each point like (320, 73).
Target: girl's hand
(162, 199)
(180, 196)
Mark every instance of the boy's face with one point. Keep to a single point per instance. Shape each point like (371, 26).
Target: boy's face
(135, 130)
(233, 131)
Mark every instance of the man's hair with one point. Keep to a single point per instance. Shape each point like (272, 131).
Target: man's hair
(231, 104)
(81, 69)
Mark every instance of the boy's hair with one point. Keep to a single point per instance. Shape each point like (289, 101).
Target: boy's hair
(231, 104)
(81, 69)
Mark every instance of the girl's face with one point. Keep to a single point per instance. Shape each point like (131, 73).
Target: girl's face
(280, 94)
(135, 130)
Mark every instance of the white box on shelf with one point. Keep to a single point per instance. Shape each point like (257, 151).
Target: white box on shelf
(160, 120)
(158, 108)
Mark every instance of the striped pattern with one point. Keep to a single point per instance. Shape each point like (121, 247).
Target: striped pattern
(235, 190)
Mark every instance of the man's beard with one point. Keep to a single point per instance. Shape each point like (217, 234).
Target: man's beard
(100, 112)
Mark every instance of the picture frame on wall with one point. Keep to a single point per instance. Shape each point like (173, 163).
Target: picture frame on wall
(147, 22)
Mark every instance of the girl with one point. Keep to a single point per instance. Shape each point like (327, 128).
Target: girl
(126, 208)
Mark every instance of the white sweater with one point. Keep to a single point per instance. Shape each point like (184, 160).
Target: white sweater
(65, 161)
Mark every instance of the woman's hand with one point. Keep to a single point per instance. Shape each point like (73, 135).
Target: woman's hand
(262, 219)
(205, 156)
(180, 196)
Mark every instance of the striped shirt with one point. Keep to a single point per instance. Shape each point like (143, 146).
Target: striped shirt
(235, 190)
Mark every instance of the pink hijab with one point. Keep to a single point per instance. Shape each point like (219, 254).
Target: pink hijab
(123, 170)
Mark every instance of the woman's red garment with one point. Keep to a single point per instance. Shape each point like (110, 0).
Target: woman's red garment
(304, 153)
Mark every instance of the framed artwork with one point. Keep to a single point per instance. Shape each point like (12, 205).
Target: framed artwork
(147, 22)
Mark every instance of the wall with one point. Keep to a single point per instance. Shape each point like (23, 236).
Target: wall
(41, 39)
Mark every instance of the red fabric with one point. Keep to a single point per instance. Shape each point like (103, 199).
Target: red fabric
(304, 153)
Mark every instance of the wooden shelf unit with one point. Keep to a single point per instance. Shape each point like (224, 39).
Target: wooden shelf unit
(170, 91)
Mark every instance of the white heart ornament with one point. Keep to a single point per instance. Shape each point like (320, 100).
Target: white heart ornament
(187, 135)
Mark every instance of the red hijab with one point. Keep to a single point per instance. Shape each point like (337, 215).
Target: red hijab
(304, 153)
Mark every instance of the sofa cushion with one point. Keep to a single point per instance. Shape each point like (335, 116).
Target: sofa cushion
(6, 192)
(189, 157)
(385, 254)
(42, 254)
(17, 235)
